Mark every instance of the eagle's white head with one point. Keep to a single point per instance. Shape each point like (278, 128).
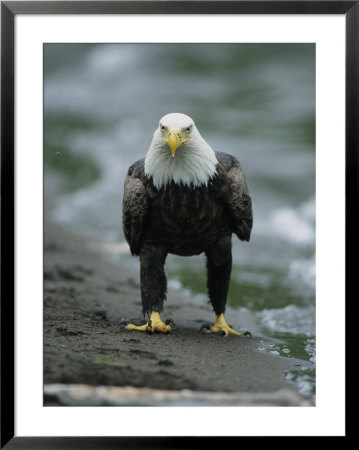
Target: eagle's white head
(179, 153)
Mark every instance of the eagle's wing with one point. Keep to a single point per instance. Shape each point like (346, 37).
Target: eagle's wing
(238, 200)
(134, 208)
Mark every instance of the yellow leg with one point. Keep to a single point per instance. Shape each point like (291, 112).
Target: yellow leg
(155, 324)
(221, 326)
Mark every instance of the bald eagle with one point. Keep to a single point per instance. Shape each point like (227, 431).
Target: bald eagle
(185, 199)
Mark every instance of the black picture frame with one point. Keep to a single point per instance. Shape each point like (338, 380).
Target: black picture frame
(9, 10)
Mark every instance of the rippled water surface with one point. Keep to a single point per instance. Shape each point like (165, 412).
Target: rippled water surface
(255, 101)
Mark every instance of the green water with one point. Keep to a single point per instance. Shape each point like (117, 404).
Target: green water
(77, 171)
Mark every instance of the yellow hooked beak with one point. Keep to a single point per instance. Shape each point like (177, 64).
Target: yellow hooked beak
(174, 139)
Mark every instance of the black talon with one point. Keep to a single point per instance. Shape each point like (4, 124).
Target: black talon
(222, 333)
(248, 334)
(149, 327)
(123, 322)
(205, 326)
(170, 321)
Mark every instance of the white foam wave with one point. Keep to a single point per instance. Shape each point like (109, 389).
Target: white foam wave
(305, 381)
(296, 225)
(311, 350)
(291, 319)
(304, 270)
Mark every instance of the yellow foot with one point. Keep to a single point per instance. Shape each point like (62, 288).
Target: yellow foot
(221, 326)
(155, 324)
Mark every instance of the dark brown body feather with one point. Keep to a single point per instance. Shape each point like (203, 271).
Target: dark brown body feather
(185, 220)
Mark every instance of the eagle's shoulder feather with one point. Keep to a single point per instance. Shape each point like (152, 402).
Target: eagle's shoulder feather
(238, 199)
(135, 206)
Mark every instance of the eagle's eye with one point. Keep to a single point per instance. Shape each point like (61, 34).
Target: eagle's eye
(162, 127)
(188, 129)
